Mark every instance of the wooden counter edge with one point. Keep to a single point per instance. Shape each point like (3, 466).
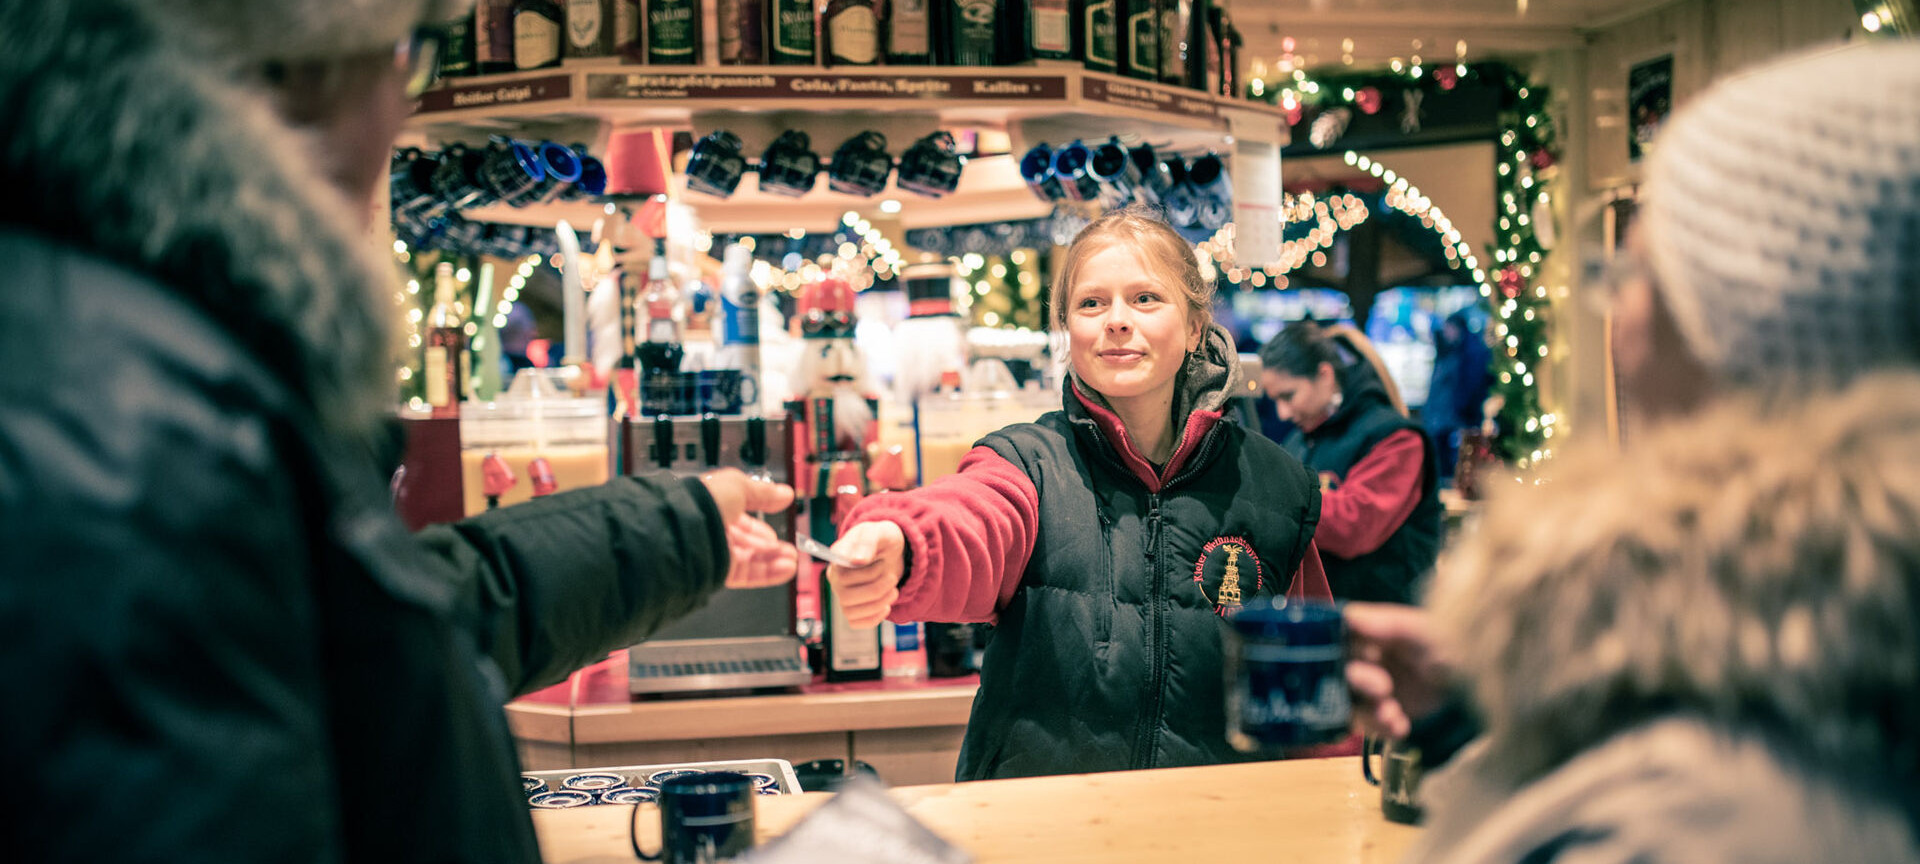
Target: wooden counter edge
(537, 721)
(784, 714)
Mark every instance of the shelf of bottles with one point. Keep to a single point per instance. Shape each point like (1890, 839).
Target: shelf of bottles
(1168, 65)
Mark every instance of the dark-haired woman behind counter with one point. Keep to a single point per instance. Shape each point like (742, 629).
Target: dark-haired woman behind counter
(1380, 518)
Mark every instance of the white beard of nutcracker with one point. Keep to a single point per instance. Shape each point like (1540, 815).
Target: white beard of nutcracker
(834, 416)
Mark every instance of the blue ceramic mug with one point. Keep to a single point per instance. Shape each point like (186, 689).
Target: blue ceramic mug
(1286, 676)
(789, 166)
(703, 818)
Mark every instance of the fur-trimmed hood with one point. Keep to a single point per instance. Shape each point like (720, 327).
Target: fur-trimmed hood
(1754, 569)
(117, 140)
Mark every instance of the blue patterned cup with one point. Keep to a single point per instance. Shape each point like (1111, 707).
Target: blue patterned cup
(1286, 676)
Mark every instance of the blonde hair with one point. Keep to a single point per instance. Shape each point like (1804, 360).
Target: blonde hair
(1165, 254)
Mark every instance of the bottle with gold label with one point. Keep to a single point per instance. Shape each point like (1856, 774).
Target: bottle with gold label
(536, 34)
(445, 363)
(852, 31)
(1098, 28)
(790, 32)
(1139, 40)
(673, 32)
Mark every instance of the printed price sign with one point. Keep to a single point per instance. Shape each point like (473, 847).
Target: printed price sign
(720, 85)
(553, 88)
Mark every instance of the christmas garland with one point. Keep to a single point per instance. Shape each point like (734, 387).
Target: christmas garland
(1524, 169)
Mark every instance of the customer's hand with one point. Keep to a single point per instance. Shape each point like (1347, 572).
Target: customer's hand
(1396, 673)
(867, 592)
(757, 557)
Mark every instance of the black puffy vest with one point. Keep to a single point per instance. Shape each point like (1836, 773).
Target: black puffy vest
(1392, 572)
(1108, 656)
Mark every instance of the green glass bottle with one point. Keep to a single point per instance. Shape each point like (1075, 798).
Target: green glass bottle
(673, 32)
(1099, 36)
(972, 31)
(790, 32)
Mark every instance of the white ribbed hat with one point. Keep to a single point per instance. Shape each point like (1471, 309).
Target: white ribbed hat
(297, 29)
(1782, 218)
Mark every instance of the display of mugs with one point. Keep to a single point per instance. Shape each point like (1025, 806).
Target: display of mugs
(715, 166)
(1197, 195)
(789, 166)
(931, 167)
(861, 165)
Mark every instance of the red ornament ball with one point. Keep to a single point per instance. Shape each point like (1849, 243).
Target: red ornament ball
(1446, 77)
(1542, 159)
(1368, 98)
(1511, 284)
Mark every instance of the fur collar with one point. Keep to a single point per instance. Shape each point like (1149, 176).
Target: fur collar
(1755, 567)
(118, 142)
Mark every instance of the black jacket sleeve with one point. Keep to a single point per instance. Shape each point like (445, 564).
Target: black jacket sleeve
(557, 582)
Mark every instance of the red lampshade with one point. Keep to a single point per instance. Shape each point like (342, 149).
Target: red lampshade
(638, 162)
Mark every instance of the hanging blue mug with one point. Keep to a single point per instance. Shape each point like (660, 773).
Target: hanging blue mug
(930, 167)
(715, 166)
(593, 177)
(457, 181)
(513, 172)
(1212, 192)
(789, 166)
(1113, 167)
(1156, 179)
(1036, 167)
(410, 191)
(562, 166)
(861, 165)
(1178, 199)
(1070, 169)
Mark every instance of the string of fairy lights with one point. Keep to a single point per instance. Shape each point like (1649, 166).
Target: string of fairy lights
(1513, 282)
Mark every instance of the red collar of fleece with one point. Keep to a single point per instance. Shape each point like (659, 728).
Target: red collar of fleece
(1199, 423)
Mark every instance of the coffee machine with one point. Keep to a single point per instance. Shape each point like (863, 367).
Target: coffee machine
(741, 639)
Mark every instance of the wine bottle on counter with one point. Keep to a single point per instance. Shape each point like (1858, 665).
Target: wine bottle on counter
(445, 364)
(909, 28)
(493, 37)
(1049, 30)
(972, 31)
(590, 28)
(456, 48)
(852, 32)
(790, 32)
(1097, 27)
(852, 654)
(673, 32)
(741, 23)
(536, 34)
(1140, 40)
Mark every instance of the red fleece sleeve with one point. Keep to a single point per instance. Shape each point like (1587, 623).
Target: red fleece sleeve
(969, 536)
(1375, 499)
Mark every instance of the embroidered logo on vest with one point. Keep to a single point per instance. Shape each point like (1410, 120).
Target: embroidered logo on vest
(1228, 573)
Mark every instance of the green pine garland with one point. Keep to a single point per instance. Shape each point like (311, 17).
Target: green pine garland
(1524, 168)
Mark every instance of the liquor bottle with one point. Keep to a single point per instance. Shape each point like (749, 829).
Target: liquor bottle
(1215, 46)
(972, 30)
(445, 363)
(493, 37)
(852, 32)
(660, 350)
(626, 31)
(740, 320)
(1098, 29)
(673, 32)
(740, 23)
(909, 28)
(1140, 39)
(1232, 74)
(1173, 17)
(536, 34)
(590, 28)
(456, 51)
(1196, 53)
(852, 654)
(790, 32)
(1049, 29)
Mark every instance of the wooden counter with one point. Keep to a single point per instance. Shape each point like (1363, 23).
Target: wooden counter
(909, 731)
(1310, 810)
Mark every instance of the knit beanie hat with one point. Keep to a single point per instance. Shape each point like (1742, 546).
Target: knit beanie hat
(243, 30)
(1782, 218)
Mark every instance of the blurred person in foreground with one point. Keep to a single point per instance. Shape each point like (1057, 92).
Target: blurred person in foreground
(222, 645)
(1708, 648)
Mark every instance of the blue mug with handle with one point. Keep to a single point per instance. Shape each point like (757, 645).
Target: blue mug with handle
(1286, 675)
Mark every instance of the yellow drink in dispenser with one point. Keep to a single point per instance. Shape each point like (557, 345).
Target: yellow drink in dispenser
(537, 418)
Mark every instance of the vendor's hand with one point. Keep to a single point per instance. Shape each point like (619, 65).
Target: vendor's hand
(757, 558)
(867, 592)
(1396, 673)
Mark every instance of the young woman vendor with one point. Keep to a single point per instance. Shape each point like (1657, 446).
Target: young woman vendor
(1106, 540)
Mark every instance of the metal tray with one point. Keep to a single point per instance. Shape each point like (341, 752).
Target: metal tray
(785, 783)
